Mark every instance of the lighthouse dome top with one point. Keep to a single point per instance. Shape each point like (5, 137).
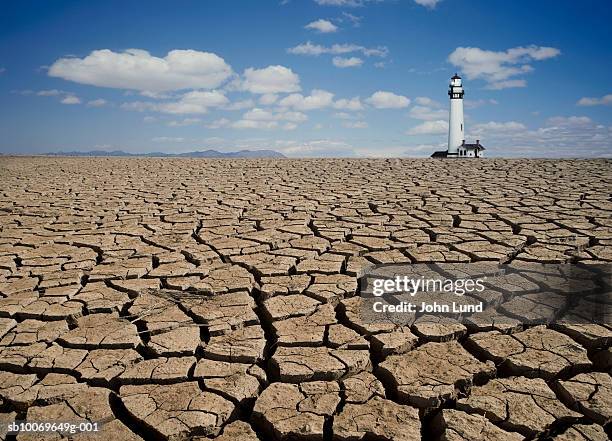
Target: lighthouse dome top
(455, 81)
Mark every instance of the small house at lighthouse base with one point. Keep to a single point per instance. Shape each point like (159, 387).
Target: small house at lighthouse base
(463, 151)
(471, 150)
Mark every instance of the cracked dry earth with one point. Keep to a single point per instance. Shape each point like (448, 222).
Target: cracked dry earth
(217, 299)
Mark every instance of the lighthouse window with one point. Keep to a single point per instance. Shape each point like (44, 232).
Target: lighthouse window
(461, 126)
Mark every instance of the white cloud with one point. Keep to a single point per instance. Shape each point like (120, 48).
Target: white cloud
(262, 119)
(358, 3)
(497, 127)
(167, 139)
(71, 99)
(507, 84)
(387, 100)
(355, 124)
(149, 119)
(605, 100)
(63, 96)
(323, 26)
(428, 3)
(97, 103)
(239, 105)
(138, 106)
(354, 19)
(346, 3)
(311, 147)
(218, 123)
(317, 99)
(214, 140)
(268, 99)
(397, 151)
(194, 102)
(499, 68)
(182, 108)
(569, 121)
(266, 115)
(474, 104)
(427, 113)
(347, 62)
(259, 115)
(185, 122)
(292, 116)
(426, 101)
(272, 79)
(430, 128)
(139, 70)
(343, 115)
(348, 104)
(560, 136)
(50, 92)
(253, 124)
(309, 48)
(155, 95)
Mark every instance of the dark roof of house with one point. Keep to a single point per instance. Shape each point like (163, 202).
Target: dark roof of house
(439, 154)
(473, 146)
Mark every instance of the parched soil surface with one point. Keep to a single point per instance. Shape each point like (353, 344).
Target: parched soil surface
(217, 299)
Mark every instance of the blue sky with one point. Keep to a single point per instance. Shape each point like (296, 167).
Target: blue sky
(305, 77)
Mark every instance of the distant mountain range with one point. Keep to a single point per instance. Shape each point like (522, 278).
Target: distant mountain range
(197, 154)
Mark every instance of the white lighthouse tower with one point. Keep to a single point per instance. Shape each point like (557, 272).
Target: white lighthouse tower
(456, 136)
(457, 148)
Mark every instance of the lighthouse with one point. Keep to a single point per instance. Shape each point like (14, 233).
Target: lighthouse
(456, 136)
(457, 148)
